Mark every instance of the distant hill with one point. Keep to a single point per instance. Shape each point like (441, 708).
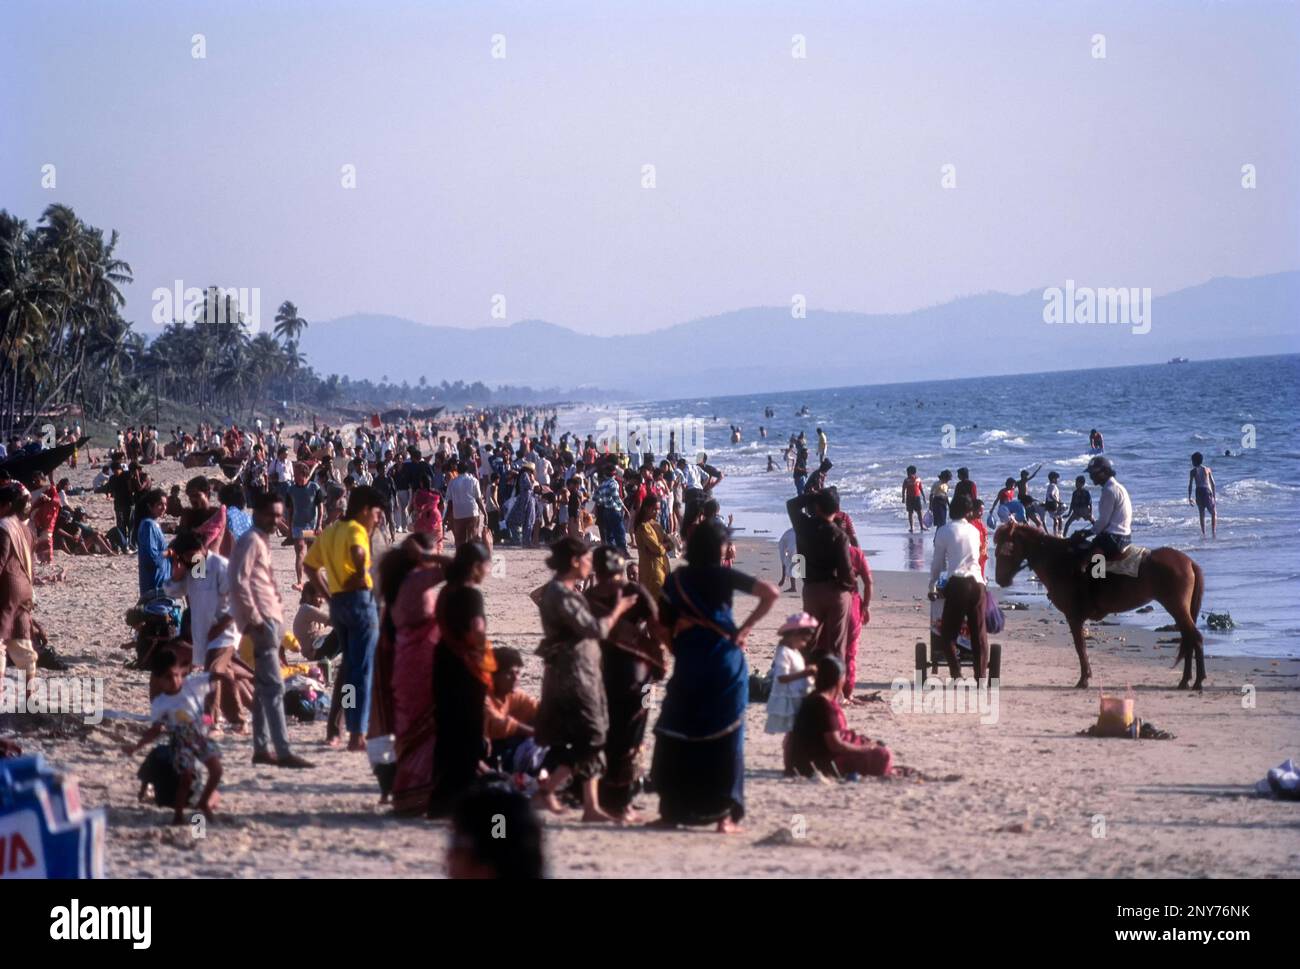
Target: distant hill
(765, 349)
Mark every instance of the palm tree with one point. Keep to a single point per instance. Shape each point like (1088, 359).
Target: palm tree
(288, 324)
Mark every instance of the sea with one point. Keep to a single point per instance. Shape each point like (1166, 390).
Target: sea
(1243, 415)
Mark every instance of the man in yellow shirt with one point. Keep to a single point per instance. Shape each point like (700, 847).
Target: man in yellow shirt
(339, 560)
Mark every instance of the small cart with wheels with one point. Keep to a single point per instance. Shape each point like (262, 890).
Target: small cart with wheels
(930, 660)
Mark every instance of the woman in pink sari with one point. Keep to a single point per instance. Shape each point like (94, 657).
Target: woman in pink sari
(859, 616)
(408, 579)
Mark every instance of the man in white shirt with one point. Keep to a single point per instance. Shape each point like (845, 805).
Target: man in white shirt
(1112, 529)
(465, 505)
(957, 552)
(542, 469)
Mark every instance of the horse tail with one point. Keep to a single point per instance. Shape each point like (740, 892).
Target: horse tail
(1198, 590)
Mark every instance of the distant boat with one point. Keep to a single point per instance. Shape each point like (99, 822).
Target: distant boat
(1179, 360)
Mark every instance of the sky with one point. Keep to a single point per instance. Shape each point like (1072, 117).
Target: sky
(481, 176)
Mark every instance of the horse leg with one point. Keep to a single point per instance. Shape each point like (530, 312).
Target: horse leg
(1080, 647)
(1189, 646)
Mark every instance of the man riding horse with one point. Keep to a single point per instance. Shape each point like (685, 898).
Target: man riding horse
(1082, 593)
(1112, 529)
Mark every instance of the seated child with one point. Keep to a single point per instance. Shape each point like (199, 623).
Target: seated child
(821, 741)
(175, 507)
(791, 676)
(313, 628)
(510, 714)
(178, 709)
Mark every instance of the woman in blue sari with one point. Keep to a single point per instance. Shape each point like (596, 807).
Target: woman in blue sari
(699, 760)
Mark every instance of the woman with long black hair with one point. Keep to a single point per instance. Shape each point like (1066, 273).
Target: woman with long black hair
(462, 674)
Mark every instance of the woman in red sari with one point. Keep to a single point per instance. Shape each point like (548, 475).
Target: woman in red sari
(409, 577)
(206, 519)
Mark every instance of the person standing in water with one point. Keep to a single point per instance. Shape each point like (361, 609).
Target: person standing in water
(1202, 479)
(939, 498)
(822, 444)
(1094, 440)
(912, 488)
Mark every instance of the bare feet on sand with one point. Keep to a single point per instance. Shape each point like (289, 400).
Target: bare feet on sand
(546, 801)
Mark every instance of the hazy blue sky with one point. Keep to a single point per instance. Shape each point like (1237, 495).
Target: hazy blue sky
(775, 175)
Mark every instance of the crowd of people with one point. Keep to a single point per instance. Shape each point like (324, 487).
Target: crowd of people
(402, 639)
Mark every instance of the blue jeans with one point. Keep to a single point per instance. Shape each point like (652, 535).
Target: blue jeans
(356, 620)
(611, 525)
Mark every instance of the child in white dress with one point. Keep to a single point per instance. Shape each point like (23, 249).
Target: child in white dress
(791, 676)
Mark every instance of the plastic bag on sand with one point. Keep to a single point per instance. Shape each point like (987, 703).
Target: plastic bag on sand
(1281, 781)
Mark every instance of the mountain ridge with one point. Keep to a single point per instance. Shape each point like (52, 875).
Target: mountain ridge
(765, 348)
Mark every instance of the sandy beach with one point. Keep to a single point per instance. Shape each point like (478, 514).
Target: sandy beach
(1022, 796)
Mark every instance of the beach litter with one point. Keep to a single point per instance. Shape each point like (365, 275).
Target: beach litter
(1282, 781)
(1139, 730)
(1219, 621)
(1117, 718)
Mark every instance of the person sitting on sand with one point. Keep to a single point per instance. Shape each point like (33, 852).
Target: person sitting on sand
(178, 709)
(573, 716)
(510, 713)
(175, 507)
(820, 741)
(791, 676)
(73, 535)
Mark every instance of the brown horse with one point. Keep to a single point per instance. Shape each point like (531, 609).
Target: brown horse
(1167, 576)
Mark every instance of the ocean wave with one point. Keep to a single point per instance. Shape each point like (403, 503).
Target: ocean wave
(1248, 489)
(1077, 462)
(999, 436)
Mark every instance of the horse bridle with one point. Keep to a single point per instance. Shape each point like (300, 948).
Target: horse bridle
(1005, 550)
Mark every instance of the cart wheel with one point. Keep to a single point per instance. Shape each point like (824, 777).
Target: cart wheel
(995, 661)
(921, 660)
